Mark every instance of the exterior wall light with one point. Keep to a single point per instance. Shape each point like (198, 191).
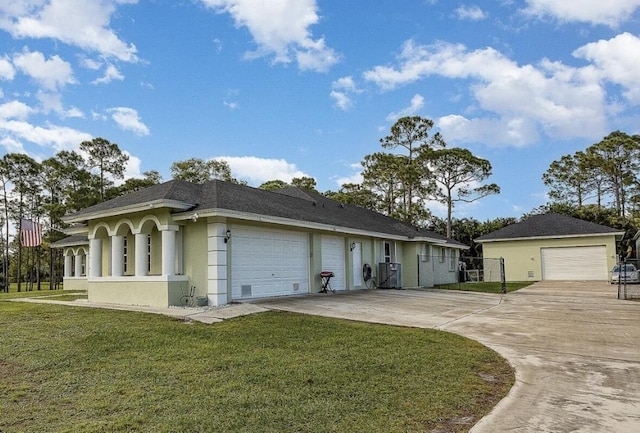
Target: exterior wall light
(227, 236)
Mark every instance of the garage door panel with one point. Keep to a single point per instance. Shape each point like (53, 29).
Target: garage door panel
(333, 259)
(574, 263)
(269, 263)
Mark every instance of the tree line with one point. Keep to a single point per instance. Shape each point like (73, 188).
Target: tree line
(413, 168)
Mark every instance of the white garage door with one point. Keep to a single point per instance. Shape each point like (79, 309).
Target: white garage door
(333, 260)
(575, 263)
(268, 263)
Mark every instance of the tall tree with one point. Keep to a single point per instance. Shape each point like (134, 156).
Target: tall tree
(23, 172)
(198, 170)
(107, 158)
(568, 179)
(458, 174)
(354, 194)
(132, 184)
(617, 158)
(304, 182)
(273, 185)
(412, 134)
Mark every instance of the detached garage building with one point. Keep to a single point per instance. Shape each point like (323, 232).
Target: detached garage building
(553, 247)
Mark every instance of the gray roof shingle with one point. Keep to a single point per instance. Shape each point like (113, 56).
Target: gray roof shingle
(548, 225)
(291, 203)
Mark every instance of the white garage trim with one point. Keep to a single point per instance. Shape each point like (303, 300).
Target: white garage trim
(268, 262)
(574, 263)
(333, 259)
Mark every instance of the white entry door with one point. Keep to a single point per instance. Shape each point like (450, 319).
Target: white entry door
(268, 262)
(333, 259)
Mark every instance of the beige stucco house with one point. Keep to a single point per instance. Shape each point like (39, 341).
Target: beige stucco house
(231, 242)
(553, 247)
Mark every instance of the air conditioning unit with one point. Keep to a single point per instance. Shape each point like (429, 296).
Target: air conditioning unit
(389, 275)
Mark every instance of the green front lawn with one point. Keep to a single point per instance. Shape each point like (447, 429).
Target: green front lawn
(71, 369)
(485, 287)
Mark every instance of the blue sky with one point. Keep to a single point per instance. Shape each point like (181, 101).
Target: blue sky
(289, 88)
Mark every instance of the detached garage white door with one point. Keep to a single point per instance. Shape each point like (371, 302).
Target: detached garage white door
(574, 263)
(333, 260)
(268, 262)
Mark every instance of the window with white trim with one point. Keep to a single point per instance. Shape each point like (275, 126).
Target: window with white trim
(443, 255)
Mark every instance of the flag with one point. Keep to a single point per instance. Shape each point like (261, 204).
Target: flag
(30, 233)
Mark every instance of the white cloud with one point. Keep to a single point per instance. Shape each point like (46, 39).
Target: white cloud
(52, 136)
(110, 74)
(84, 24)
(417, 103)
(473, 13)
(282, 29)
(51, 74)
(496, 132)
(259, 170)
(610, 13)
(129, 120)
(7, 71)
(341, 100)
(560, 100)
(132, 167)
(343, 89)
(15, 110)
(617, 61)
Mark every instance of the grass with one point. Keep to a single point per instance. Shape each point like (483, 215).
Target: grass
(485, 287)
(68, 369)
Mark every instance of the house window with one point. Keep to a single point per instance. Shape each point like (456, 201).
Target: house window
(443, 255)
(148, 253)
(125, 254)
(83, 265)
(389, 251)
(426, 253)
(452, 261)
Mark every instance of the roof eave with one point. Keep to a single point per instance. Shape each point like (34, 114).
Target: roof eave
(529, 238)
(138, 207)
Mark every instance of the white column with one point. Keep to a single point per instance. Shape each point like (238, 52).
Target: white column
(217, 264)
(141, 254)
(78, 267)
(168, 252)
(68, 266)
(95, 253)
(117, 256)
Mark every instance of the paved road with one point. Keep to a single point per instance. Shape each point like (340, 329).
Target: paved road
(575, 347)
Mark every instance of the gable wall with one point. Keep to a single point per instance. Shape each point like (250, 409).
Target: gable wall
(522, 256)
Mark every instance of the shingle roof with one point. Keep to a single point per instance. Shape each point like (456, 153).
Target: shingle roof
(70, 241)
(548, 225)
(291, 203)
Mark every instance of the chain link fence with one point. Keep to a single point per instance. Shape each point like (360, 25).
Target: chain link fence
(477, 270)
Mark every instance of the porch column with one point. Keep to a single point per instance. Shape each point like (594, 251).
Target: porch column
(217, 264)
(95, 253)
(68, 266)
(78, 267)
(168, 252)
(141, 254)
(117, 256)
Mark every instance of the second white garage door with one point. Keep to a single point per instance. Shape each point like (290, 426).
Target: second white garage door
(268, 262)
(574, 263)
(333, 260)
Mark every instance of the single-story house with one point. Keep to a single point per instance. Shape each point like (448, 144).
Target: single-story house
(231, 242)
(553, 247)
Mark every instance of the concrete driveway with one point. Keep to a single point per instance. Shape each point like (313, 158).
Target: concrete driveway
(574, 346)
